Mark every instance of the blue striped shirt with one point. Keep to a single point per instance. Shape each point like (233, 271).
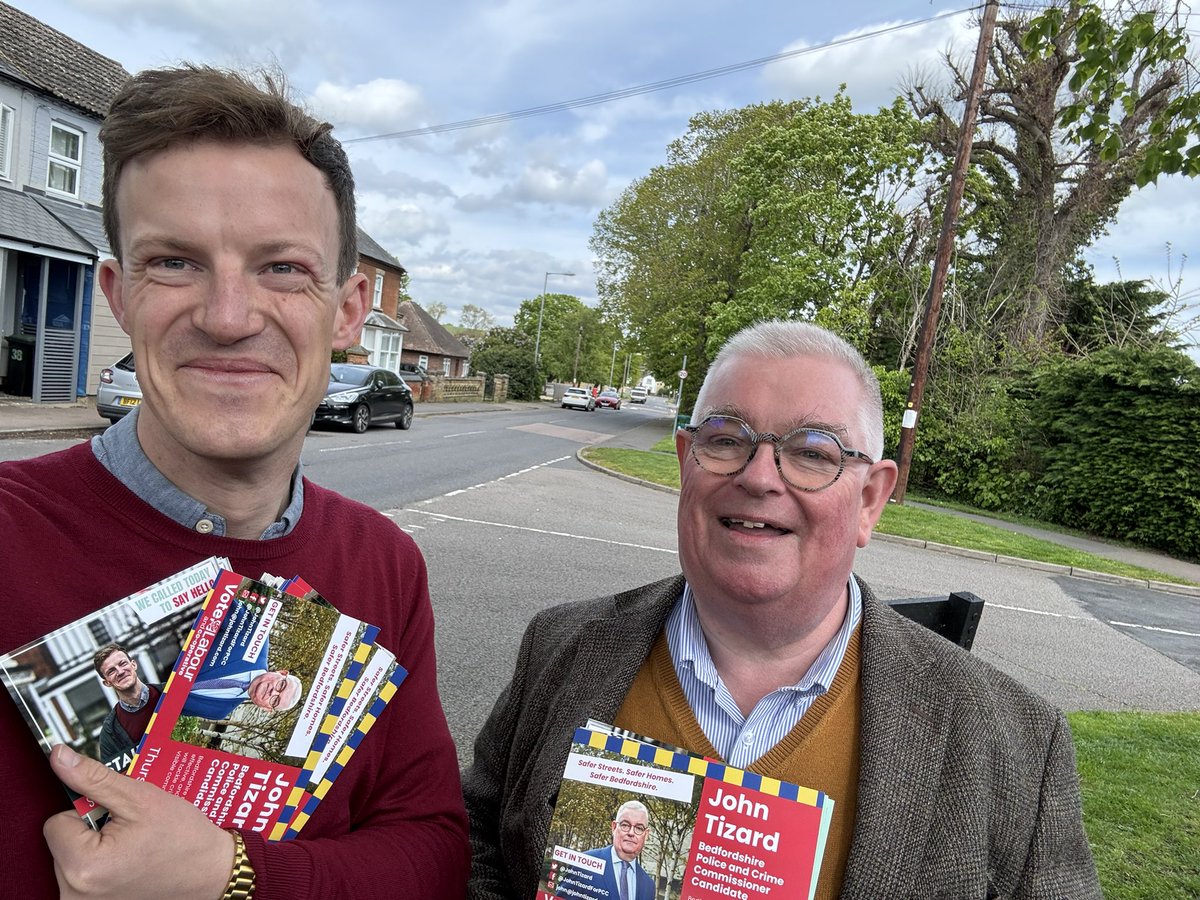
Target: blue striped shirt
(742, 739)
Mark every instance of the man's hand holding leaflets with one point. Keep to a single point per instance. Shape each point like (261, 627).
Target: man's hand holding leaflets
(267, 701)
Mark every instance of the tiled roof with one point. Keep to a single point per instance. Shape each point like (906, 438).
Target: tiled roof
(33, 52)
(382, 320)
(368, 247)
(426, 335)
(22, 219)
(85, 221)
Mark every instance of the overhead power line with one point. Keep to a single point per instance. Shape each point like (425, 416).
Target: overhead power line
(665, 84)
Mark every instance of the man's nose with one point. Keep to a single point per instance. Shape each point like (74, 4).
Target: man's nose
(229, 311)
(760, 474)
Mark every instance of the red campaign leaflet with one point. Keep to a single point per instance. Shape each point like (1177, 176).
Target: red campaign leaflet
(677, 827)
(246, 700)
(65, 700)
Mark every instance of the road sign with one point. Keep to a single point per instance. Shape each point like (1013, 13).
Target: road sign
(682, 374)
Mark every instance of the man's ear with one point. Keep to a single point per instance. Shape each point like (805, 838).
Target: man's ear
(112, 278)
(353, 305)
(683, 446)
(876, 491)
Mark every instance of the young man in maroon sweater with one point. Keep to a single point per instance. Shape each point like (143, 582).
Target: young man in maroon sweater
(231, 214)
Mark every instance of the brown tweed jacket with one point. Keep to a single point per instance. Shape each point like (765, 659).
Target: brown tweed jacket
(967, 783)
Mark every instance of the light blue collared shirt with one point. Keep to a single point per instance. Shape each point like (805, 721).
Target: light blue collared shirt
(630, 883)
(118, 450)
(742, 739)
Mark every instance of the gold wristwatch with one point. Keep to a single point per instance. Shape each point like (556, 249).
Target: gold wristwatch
(241, 879)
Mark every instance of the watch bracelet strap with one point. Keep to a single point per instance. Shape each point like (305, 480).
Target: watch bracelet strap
(241, 878)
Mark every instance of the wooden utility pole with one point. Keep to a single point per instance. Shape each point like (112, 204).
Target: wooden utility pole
(941, 261)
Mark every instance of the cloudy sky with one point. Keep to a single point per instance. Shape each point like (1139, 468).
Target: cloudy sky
(479, 215)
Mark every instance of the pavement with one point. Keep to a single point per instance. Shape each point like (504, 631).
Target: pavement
(21, 418)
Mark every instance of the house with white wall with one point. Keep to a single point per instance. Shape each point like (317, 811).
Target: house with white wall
(55, 329)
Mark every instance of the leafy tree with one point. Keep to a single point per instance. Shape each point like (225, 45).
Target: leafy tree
(436, 310)
(568, 324)
(507, 351)
(475, 318)
(1084, 102)
(1120, 314)
(781, 209)
(403, 295)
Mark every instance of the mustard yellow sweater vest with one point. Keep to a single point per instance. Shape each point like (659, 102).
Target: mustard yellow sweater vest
(821, 752)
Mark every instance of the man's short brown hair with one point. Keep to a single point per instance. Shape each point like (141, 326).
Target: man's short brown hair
(104, 653)
(161, 108)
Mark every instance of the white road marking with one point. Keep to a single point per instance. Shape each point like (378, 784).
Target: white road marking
(463, 434)
(1113, 623)
(484, 484)
(362, 446)
(566, 534)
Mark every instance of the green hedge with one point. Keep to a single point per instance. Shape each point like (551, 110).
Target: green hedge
(1108, 444)
(1118, 447)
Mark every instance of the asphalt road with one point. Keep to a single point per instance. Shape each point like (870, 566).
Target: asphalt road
(510, 523)
(508, 548)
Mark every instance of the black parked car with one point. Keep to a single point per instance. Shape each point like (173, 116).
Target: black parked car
(361, 395)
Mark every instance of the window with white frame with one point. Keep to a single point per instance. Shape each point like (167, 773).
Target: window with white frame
(7, 133)
(66, 159)
(423, 362)
(446, 365)
(383, 347)
(377, 302)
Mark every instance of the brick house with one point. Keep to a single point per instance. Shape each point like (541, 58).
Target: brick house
(430, 346)
(382, 339)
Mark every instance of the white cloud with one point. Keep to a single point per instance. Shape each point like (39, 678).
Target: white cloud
(379, 106)
(395, 181)
(1136, 245)
(396, 223)
(585, 186)
(873, 68)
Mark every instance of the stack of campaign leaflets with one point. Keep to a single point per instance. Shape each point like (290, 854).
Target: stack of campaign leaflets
(674, 825)
(266, 691)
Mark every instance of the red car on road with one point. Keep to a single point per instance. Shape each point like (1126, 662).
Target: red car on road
(609, 400)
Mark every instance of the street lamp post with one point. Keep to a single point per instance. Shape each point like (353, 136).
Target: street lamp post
(537, 343)
(612, 369)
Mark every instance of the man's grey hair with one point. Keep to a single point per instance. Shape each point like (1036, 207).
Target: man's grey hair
(784, 339)
(636, 806)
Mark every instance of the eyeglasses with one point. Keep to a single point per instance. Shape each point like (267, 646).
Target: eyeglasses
(273, 693)
(808, 459)
(626, 827)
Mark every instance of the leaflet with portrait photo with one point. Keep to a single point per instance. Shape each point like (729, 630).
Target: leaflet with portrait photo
(246, 700)
(688, 828)
(65, 700)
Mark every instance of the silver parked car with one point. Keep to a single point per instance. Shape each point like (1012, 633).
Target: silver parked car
(118, 391)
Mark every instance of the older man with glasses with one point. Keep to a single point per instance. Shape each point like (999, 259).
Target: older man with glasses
(623, 876)
(950, 779)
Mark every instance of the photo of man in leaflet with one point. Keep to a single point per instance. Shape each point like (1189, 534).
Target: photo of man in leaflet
(124, 726)
(230, 212)
(622, 876)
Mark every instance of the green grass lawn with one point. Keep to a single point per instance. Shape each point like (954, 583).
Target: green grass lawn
(659, 465)
(1139, 772)
(1140, 778)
